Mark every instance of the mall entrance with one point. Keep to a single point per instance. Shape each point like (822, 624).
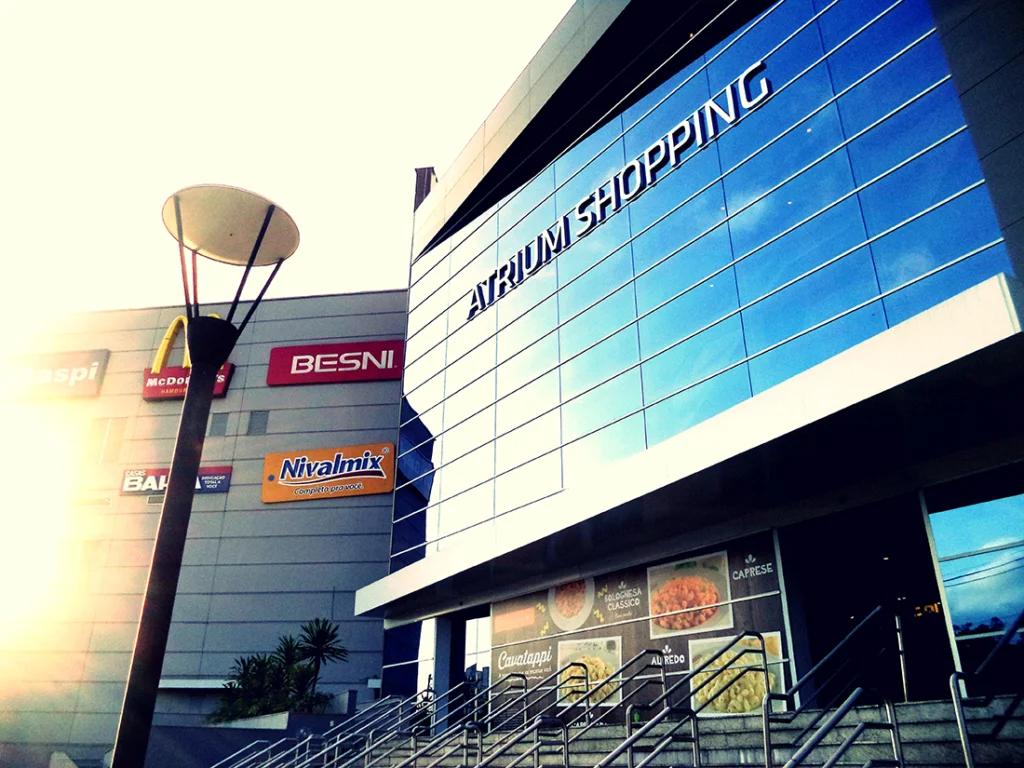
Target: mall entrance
(839, 567)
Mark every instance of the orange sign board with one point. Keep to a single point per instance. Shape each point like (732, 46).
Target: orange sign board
(329, 473)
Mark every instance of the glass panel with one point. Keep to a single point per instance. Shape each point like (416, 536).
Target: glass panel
(527, 402)
(583, 458)
(693, 219)
(984, 591)
(602, 405)
(880, 41)
(598, 321)
(601, 362)
(816, 298)
(708, 302)
(541, 477)
(929, 178)
(806, 247)
(528, 441)
(528, 365)
(458, 515)
(808, 193)
(812, 348)
(947, 283)
(593, 248)
(683, 270)
(667, 116)
(608, 162)
(679, 413)
(979, 526)
(686, 363)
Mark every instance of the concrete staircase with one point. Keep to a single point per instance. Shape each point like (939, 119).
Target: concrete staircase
(928, 732)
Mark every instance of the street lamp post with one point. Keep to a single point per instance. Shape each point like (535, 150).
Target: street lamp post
(232, 226)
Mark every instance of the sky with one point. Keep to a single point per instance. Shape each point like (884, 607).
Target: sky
(324, 107)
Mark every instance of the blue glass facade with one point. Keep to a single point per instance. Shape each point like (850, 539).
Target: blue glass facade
(848, 201)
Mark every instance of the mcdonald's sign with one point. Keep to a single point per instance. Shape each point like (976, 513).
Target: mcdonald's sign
(169, 382)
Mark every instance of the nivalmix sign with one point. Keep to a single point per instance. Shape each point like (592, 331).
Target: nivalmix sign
(329, 473)
(692, 131)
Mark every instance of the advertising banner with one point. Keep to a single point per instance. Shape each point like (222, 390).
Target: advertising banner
(333, 363)
(688, 608)
(61, 374)
(153, 481)
(329, 473)
(172, 381)
(169, 382)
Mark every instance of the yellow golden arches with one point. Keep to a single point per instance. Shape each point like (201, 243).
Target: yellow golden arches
(164, 350)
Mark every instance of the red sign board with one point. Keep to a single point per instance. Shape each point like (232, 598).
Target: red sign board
(171, 382)
(332, 363)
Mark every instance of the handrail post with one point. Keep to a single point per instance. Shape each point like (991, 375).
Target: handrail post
(961, 719)
(902, 655)
(766, 711)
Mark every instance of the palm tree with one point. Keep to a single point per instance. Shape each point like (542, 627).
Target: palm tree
(319, 644)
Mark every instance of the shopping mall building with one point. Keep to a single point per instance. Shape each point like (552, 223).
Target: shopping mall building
(715, 326)
(93, 425)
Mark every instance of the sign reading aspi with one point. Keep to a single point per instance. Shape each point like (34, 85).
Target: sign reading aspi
(329, 473)
(62, 374)
(695, 130)
(154, 481)
(331, 363)
(169, 382)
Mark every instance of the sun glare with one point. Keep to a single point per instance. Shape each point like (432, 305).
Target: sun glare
(38, 560)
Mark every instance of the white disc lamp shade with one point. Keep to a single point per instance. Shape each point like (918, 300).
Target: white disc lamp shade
(222, 223)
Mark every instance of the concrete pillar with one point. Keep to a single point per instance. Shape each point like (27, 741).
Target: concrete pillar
(984, 44)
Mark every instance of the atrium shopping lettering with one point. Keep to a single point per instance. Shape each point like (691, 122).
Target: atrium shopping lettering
(624, 186)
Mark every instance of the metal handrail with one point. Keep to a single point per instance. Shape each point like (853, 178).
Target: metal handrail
(370, 738)
(587, 713)
(268, 750)
(789, 696)
(510, 739)
(540, 686)
(396, 732)
(276, 759)
(955, 687)
(689, 715)
(467, 727)
(455, 729)
(368, 715)
(233, 755)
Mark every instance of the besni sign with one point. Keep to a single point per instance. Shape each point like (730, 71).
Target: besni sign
(62, 374)
(329, 473)
(154, 481)
(169, 382)
(333, 363)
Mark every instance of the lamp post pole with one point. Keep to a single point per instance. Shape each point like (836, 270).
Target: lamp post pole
(207, 218)
(210, 341)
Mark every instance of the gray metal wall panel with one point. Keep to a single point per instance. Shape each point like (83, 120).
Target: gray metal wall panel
(232, 598)
(297, 519)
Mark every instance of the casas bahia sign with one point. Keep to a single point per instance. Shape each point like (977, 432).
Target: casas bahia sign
(137, 482)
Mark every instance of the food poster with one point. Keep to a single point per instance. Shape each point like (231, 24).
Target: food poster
(685, 607)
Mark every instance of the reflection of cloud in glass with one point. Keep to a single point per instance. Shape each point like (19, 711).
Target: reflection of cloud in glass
(985, 586)
(972, 528)
(909, 265)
